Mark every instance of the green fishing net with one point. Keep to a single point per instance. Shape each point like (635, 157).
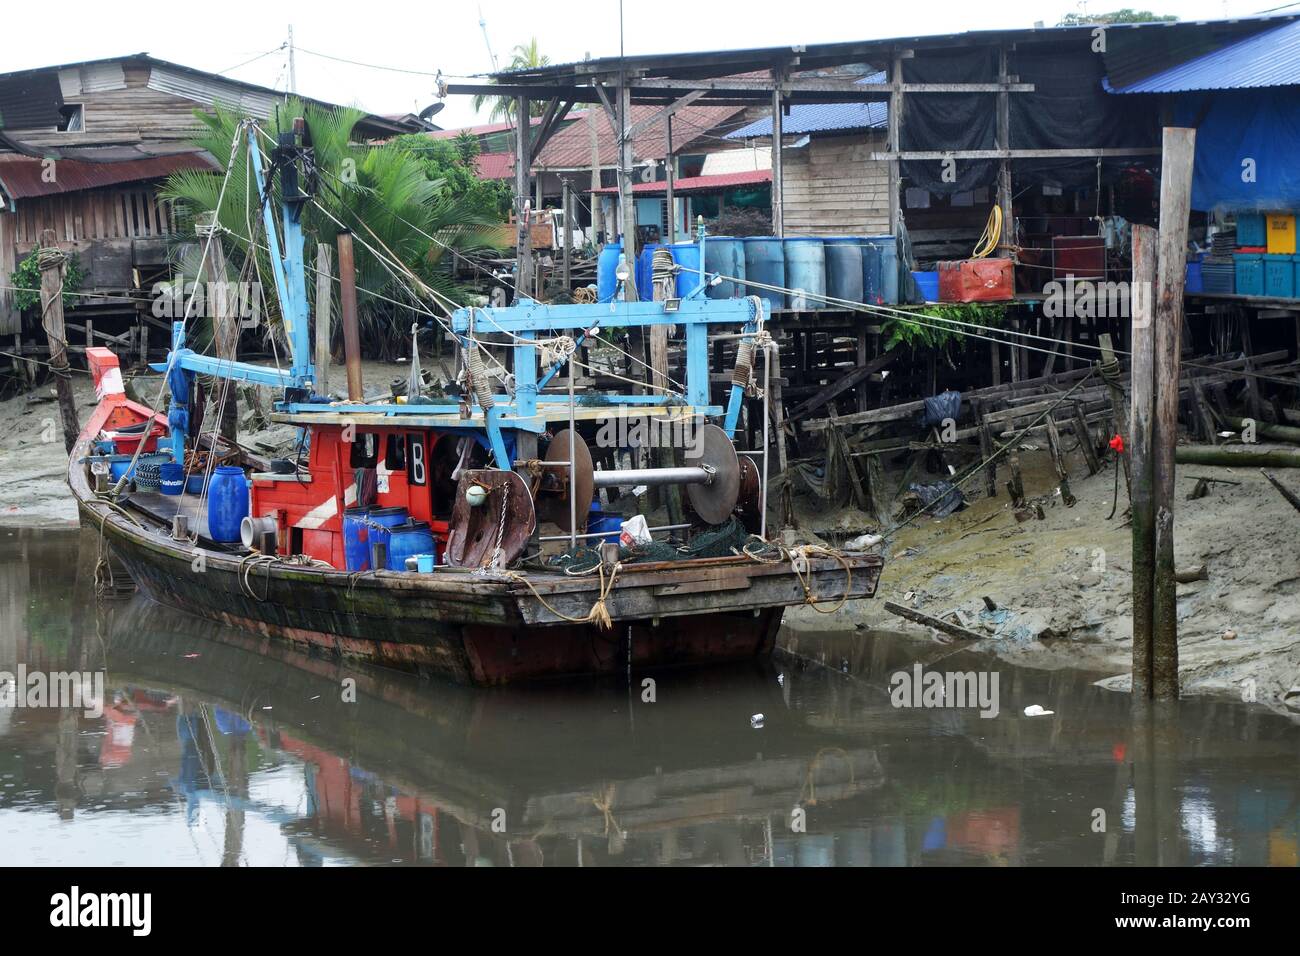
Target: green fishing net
(719, 541)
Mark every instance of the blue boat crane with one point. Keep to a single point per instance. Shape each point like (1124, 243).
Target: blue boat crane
(523, 322)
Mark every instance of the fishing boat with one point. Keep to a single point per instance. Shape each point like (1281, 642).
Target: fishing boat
(409, 532)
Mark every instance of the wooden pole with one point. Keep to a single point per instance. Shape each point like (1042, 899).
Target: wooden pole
(324, 309)
(895, 120)
(52, 263)
(1139, 450)
(523, 160)
(627, 203)
(566, 207)
(348, 315)
(778, 202)
(1175, 206)
(225, 339)
(1007, 240)
(597, 225)
(670, 178)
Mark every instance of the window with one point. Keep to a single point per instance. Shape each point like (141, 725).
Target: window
(72, 118)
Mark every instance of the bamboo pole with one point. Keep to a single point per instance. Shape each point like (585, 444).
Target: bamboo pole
(52, 263)
(1139, 448)
(1175, 207)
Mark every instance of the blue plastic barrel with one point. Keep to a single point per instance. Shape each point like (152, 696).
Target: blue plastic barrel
(611, 526)
(725, 255)
(227, 503)
(687, 255)
(645, 272)
(872, 293)
(888, 247)
(171, 478)
(407, 541)
(379, 522)
(356, 539)
(844, 267)
(765, 262)
(805, 271)
(606, 264)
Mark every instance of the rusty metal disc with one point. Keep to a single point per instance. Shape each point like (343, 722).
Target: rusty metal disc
(715, 501)
(476, 532)
(553, 491)
(749, 503)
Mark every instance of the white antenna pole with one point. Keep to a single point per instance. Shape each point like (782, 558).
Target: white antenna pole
(293, 73)
(482, 23)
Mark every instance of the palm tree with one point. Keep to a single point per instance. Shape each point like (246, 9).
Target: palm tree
(381, 188)
(525, 56)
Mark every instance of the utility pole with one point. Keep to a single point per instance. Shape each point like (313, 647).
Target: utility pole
(293, 73)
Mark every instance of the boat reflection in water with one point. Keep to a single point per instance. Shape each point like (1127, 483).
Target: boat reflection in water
(216, 748)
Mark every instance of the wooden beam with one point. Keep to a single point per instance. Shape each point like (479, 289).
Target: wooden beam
(523, 168)
(895, 142)
(324, 303)
(665, 113)
(670, 178)
(778, 161)
(858, 91)
(611, 113)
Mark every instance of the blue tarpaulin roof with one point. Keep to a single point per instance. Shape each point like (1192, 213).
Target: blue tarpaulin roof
(1267, 59)
(823, 117)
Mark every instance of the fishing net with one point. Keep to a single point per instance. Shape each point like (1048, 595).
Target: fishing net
(720, 541)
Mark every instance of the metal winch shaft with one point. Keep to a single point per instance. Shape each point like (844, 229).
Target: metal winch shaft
(653, 476)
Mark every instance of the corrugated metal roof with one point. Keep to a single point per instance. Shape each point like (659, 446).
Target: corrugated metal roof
(1267, 59)
(694, 184)
(824, 117)
(495, 165)
(23, 177)
(570, 148)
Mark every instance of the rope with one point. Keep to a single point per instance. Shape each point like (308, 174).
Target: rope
(599, 613)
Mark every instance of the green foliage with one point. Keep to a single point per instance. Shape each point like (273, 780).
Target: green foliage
(384, 187)
(929, 330)
(525, 56)
(26, 280)
(1126, 15)
(450, 163)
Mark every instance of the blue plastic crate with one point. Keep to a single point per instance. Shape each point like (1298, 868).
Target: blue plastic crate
(1250, 229)
(1249, 273)
(1279, 276)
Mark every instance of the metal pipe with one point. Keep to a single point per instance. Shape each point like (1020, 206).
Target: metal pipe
(573, 457)
(652, 476)
(348, 314)
(767, 376)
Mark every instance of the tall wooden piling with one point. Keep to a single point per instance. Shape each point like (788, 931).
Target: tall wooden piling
(1139, 448)
(324, 303)
(1175, 207)
(348, 315)
(52, 262)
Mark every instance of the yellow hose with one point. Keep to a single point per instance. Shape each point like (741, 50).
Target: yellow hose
(988, 241)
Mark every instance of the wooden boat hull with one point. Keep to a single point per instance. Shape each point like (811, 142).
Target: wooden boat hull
(477, 629)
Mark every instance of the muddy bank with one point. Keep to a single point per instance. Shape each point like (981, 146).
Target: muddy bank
(1063, 585)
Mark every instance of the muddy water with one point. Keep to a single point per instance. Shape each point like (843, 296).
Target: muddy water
(212, 749)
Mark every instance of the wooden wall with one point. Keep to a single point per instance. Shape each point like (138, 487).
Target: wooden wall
(831, 188)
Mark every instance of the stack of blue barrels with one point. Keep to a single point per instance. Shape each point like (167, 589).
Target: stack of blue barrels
(799, 273)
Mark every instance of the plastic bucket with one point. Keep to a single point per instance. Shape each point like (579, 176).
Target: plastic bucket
(927, 283)
(171, 478)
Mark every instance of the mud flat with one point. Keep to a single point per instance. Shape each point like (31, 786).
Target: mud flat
(1063, 585)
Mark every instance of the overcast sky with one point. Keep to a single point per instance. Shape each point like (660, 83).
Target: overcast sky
(445, 34)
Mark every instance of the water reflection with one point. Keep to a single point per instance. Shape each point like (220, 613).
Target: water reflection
(217, 748)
